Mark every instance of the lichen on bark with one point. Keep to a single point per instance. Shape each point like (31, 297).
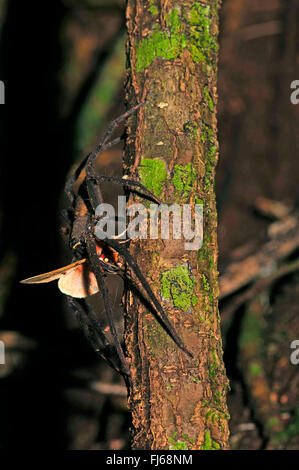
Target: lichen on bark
(172, 147)
(178, 286)
(191, 30)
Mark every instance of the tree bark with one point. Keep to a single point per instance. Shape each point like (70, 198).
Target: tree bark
(176, 402)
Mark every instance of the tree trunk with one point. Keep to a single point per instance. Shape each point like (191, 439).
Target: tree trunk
(176, 402)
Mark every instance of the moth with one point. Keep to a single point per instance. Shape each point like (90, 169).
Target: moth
(77, 279)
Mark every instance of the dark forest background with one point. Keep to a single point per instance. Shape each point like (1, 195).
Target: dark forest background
(63, 64)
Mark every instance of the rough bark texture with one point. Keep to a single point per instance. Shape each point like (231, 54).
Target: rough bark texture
(176, 402)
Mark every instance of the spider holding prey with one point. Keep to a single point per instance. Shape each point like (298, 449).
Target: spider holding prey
(93, 259)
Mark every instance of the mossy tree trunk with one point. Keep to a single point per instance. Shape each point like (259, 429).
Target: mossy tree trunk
(176, 402)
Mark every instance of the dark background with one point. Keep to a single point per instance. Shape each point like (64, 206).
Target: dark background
(63, 65)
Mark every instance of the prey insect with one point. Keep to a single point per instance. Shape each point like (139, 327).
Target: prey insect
(77, 279)
(94, 259)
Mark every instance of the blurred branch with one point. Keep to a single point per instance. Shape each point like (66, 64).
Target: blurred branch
(109, 389)
(260, 30)
(240, 273)
(15, 340)
(259, 286)
(253, 365)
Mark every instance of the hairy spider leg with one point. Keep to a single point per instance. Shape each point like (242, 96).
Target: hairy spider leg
(96, 268)
(113, 125)
(128, 183)
(89, 325)
(94, 191)
(101, 147)
(93, 258)
(68, 188)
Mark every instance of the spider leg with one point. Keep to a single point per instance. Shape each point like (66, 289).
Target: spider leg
(95, 198)
(94, 192)
(167, 324)
(127, 182)
(91, 329)
(93, 258)
(68, 188)
(69, 184)
(101, 147)
(113, 125)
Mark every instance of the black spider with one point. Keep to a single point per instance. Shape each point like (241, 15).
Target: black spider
(84, 243)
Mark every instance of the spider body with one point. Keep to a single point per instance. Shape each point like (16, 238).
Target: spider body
(93, 259)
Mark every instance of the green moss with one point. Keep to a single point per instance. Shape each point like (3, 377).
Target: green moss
(183, 178)
(209, 99)
(212, 153)
(153, 174)
(205, 283)
(173, 21)
(206, 137)
(190, 129)
(215, 415)
(153, 9)
(198, 200)
(216, 446)
(207, 131)
(169, 387)
(167, 44)
(195, 380)
(217, 398)
(204, 252)
(206, 266)
(178, 285)
(192, 31)
(213, 370)
(188, 439)
(207, 182)
(209, 444)
(179, 444)
(209, 148)
(202, 42)
(203, 137)
(213, 364)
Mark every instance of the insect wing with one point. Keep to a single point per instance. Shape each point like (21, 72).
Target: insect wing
(79, 282)
(53, 275)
